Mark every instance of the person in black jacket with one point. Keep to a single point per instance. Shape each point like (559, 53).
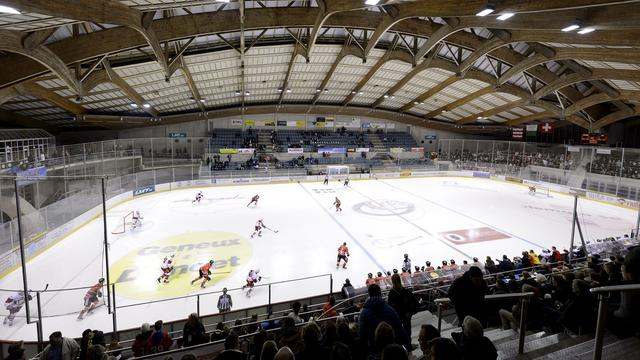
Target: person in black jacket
(403, 302)
(467, 294)
(472, 343)
(193, 332)
(375, 311)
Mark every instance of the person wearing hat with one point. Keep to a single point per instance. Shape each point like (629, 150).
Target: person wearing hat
(91, 298)
(60, 348)
(14, 304)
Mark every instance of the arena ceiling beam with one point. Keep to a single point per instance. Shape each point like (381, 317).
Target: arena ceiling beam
(463, 100)
(615, 117)
(629, 56)
(297, 50)
(101, 12)
(36, 90)
(191, 84)
(14, 42)
(347, 50)
(600, 98)
(530, 118)
(594, 74)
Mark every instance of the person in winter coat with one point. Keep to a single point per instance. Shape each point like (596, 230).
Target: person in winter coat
(60, 348)
(403, 302)
(193, 332)
(473, 344)
(467, 294)
(374, 311)
(139, 345)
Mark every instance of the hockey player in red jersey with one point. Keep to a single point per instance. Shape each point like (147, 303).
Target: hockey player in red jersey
(91, 298)
(204, 272)
(343, 254)
(258, 228)
(166, 268)
(337, 203)
(370, 280)
(254, 200)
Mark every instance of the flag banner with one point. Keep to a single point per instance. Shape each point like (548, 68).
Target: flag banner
(532, 130)
(517, 133)
(546, 128)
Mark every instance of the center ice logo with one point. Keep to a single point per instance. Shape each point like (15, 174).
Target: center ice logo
(384, 207)
(136, 273)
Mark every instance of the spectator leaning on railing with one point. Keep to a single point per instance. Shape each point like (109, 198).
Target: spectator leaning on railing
(467, 294)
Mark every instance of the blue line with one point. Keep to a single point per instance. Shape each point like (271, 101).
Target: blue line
(464, 215)
(343, 229)
(436, 237)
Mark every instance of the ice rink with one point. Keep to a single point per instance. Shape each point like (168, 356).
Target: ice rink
(428, 218)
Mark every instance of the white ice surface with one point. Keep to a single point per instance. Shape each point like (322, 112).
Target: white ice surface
(411, 214)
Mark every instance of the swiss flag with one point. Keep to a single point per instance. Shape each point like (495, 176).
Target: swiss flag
(546, 128)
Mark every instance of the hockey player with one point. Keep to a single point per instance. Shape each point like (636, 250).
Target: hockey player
(137, 219)
(346, 182)
(254, 199)
(370, 280)
(343, 254)
(337, 203)
(326, 180)
(203, 273)
(91, 298)
(406, 264)
(199, 196)
(258, 229)
(252, 279)
(166, 268)
(14, 304)
(532, 190)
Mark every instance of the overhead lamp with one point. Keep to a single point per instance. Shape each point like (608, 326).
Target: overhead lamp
(279, 90)
(360, 93)
(386, 96)
(353, 92)
(371, 2)
(586, 31)
(134, 105)
(288, 90)
(192, 99)
(393, 96)
(571, 27)
(488, 9)
(146, 106)
(480, 117)
(8, 10)
(224, 1)
(318, 90)
(326, 90)
(247, 93)
(505, 16)
(444, 111)
(203, 100)
(237, 92)
(415, 103)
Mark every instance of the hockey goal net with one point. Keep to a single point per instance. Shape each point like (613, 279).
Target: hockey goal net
(541, 189)
(123, 223)
(337, 172)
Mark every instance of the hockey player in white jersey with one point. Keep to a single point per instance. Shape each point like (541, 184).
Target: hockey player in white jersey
(257, 230)
(14, 304)
(252, 279)
(166, 268)
(137, 219)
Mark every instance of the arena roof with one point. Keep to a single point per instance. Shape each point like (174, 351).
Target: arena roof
(116, 64)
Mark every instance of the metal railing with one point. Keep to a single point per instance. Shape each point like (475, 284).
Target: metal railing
(603, 294)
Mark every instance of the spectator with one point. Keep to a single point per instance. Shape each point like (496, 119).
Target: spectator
(579, 314)
(490, 266)
(193, 332)
(328, 310)
(384, 336)
(116, 349)
(340, 351)
(90, 338)
(224, 301)
(626, 319)
(16, 351)
(467, 294)
(60, 348)
(140, 343)
(443, 349)
(394, 352)
(403, 302)
(255, 347)
(96, 352)
(295, 313)
(313, 350)
(231, 349)
(347, 290)
(220, 333)
(159, 341)
(269, 350)
(505, 265)
(473, 344)
(253, 324)
(284, 354)
(478, 264)
(290, 336)
(375, 311)
(346, 337)
(427, 333)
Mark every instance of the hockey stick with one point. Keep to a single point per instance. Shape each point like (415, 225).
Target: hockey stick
(272, 230)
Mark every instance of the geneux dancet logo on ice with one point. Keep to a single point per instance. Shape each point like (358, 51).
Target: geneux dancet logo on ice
(136, 273)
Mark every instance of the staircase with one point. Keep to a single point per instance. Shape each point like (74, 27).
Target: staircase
(378, 145)
(538, 345)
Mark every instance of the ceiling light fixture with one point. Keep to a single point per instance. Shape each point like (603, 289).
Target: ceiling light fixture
(192, 99)
(318, 90)
(480, 117)
(8, 10)
(146, 106)
(326, 90)
(571, 27)
(386, 96)
(393, 96)
(279, 90)
(288, 90)
(371, 2)
(134, 105)
(237, 92)
(203, 100)
(360, 93)
(486, 10)
(247, 93)
(415, 103)
(586, 31)
(505, 16)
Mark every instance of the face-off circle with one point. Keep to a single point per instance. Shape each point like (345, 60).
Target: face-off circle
(384, 207)
(136, 273)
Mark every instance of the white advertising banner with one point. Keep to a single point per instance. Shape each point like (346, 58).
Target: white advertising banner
(295, 150)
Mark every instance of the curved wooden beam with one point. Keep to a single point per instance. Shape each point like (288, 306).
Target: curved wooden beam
(441, 33)
(595, 74)
(598, 99)
(491, 112)
(630, 56)
(487, 47)
(346, 51)
(11, 41)
(463, 100)
(615, 117)
(530, 118)
(35, 90)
